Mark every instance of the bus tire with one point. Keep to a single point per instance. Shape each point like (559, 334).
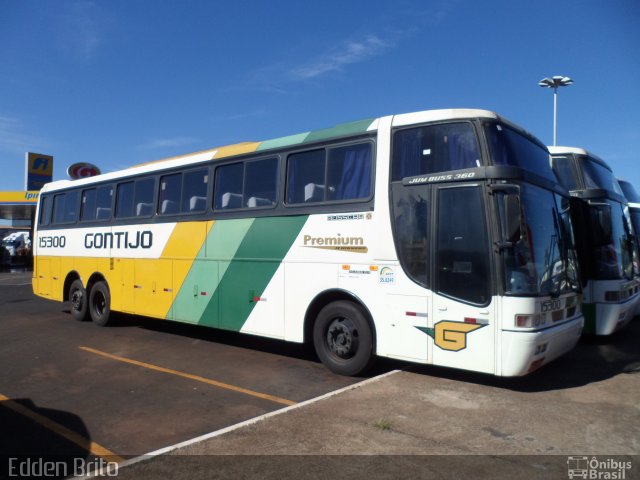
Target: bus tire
(100, 303)
(79, 301)
(343, 339)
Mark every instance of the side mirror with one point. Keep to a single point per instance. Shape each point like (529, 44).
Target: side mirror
(512, 218)
(508, 199)
(601, 224)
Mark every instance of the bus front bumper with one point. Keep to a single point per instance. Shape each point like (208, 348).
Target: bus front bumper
(524, 352)
(606, 318)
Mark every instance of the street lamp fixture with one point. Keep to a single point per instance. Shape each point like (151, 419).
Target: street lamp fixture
(555, 82)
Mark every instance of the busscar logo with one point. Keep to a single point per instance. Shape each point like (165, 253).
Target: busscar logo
(450, 335)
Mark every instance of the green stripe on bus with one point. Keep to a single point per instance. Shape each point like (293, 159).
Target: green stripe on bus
(283, 141)
(246, 277)
(209, 266)
(344, 129)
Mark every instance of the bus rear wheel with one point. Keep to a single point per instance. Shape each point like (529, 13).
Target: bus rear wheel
(79, 301)
(342, 338)
(100, 303)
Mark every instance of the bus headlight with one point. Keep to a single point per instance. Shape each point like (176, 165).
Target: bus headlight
(611, 296)
(530, 321)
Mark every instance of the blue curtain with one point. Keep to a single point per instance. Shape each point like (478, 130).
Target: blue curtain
(355, 179)
(463, 151)
(407, 155)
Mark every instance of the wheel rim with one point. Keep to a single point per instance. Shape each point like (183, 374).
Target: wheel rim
(77, 299)
(342, 338)
(99, 304)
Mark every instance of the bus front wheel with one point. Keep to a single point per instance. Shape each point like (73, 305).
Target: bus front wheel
(79, 301)
(342, 338)
(100, 303)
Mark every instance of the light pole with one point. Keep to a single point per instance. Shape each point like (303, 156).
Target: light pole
(555, 82)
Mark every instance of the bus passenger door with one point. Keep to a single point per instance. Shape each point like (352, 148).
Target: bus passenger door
(463, 311)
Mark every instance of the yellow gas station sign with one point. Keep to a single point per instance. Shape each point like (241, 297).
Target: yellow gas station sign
(38, 171)
(28, 198)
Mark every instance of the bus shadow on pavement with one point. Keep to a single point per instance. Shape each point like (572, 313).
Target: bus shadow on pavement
(208, 334)
(28, 446)
(240, 340)
(594, 359)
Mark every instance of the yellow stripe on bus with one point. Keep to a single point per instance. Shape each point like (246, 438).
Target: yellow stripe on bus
(183, 247)
(237, 149)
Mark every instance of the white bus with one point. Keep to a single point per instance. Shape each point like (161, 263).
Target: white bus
(633, 198)
(604, 239)
(439, 237)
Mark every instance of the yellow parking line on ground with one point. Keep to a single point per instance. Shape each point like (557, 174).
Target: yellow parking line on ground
(61, 430)
(197, 378)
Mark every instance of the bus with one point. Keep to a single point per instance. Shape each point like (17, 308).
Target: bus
(633, 198)
(604, 239)
(440, 237)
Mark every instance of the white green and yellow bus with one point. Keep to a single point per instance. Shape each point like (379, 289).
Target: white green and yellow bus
(604, 239)
(440, 237)
(633, 198)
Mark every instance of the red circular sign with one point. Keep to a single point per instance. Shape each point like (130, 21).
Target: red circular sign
(82, 170)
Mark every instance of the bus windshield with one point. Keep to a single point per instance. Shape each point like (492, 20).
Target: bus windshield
(629, 192)
(511, 148)
(543, 261)
(598, 176)
(614, 255)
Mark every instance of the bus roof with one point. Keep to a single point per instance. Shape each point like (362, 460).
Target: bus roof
(578, 151)
(338, 131)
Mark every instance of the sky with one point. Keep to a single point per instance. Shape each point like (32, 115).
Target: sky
(121, 82)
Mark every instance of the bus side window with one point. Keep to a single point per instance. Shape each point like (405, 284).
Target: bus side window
(124, 200)
(194, 191)
(349, 172)
(143, 197)
(228, 186)
(65, 207)
(260, 183)
(411, 218)
(564, 172)
(103, 202)
(170, 194)
(88, 205)
(306, 177)
(45, 211)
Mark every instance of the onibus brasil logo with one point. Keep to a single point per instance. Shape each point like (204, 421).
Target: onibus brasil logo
(450, 335)
(595, 468)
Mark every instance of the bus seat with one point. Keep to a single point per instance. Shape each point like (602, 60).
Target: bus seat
(168, 207)
(313, 192)
(254, 202)
(197, 204)
(144, 209)
(231, 200)
(103, 213)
